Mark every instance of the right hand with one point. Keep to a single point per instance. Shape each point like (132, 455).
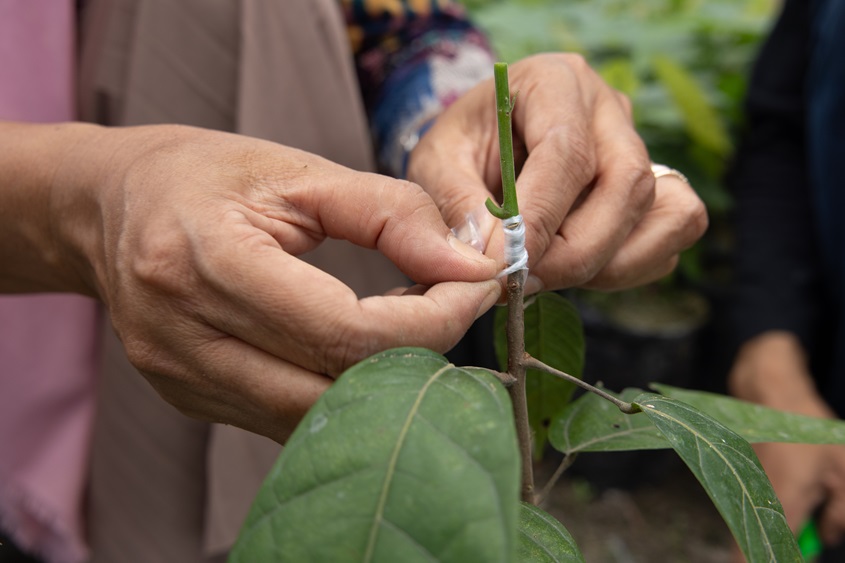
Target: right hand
(190, 238)
(771, 369)
(594, 215)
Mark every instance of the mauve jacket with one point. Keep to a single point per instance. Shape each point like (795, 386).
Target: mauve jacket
(165, 487)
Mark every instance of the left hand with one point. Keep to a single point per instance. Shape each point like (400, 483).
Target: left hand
(772, 369)
(593, 212)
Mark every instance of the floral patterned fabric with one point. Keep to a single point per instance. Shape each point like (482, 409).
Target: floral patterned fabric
(414, 58)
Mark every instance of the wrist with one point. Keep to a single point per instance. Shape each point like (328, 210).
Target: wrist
(772, 370)
(75, 203)
(37, 206)
(88, 201)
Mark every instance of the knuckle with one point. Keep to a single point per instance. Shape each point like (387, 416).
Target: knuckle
(697, 220)
(610, 278)
(689, 217)
(142, 357)
(409, 199)
(158, 264)
(348, 341)
(625, 101)
(145, 356)
(617, 276)
(577, 61)
(574, 149)
(639, 176)
(581, 269)
(455, 204)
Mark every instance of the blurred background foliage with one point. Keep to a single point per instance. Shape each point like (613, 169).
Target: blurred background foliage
(683, 63)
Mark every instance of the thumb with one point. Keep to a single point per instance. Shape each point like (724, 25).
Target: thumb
(460, 192)
(400, 220)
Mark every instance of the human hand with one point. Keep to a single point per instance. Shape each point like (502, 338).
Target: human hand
(771, 369)
(190, 238)
(593, 214)
(807, 478)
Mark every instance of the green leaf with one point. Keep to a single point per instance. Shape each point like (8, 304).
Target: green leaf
(404, 458)
(702, 121)
(619, 73)
(593, 424)
(542, 539)
(726, 466)
(756, 423)
(553, 335)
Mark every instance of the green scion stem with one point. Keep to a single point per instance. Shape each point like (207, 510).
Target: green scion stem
(504, 109)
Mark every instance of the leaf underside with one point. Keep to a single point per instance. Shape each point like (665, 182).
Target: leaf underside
(404, 458)
(542, 539)
(591, 424)
(726, 466)
(756, 423)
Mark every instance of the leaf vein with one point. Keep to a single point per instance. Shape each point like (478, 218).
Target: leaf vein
(745, 493)
(391, 466)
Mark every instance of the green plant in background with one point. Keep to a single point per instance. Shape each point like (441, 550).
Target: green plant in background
(410, 458)
(683, 63)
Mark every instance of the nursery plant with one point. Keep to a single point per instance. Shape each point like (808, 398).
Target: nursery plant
(410, 458)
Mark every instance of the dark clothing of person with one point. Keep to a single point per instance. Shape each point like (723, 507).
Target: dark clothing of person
(790, 195)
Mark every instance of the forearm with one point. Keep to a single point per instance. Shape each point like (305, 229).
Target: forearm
(52, 178)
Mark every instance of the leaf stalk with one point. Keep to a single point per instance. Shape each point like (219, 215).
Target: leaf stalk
(624, 406)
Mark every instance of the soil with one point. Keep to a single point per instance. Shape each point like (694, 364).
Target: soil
(670, 521)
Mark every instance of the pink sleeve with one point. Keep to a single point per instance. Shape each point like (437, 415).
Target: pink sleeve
(47, 342)
(37, 60)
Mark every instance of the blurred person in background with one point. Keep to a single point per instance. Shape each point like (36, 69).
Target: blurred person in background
(789, 311)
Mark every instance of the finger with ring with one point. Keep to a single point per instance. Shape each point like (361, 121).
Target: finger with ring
(660, 170)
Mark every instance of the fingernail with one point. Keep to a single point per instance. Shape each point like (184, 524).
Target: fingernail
(494, 291)
(533, 285)
(466, 250)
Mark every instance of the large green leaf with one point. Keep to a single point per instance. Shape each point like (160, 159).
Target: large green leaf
(542, 539)
(593, 424)
(405, 458)
(726, 466)
(756, 423)
(554, 335)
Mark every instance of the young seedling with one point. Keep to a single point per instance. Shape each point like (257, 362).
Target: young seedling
(516, 261)
(408, 457)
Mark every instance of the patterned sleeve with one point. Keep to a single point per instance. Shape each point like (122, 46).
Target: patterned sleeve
(414, 58)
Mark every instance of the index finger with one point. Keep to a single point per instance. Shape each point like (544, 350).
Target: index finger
(583, 215)
(295, 311)
(553, 117)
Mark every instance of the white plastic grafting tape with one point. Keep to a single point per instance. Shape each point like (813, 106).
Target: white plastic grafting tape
(516, 257)
(470, 232)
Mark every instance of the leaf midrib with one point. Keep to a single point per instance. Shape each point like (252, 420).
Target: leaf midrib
(700, 437)
(394, 457)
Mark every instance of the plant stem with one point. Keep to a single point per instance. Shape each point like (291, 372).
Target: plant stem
(504, 108)
(516, 368)
(565, 464)
(516, 281)
(534, 363)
